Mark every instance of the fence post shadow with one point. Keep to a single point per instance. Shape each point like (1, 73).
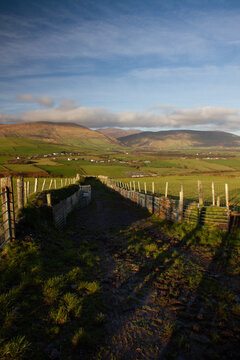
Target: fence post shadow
(199, 312)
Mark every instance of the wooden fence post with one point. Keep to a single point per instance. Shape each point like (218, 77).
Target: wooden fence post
(134, 186)
(130, 185)
(139, 187)
(43, 184)
(25, 192)
(153, 190)
(28, 189)
(20, 193)
(49, 200)
(55, 183)
(180, 216)
(166, 190)
(145, 188)
(218, 201)
(227, 195)
(61, 182)
(36, 185)
(65, 182)
(50, 185)
(8, 208)
(200, 192)
(213, 194)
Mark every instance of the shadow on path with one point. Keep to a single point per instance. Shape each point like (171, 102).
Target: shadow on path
(173, 302)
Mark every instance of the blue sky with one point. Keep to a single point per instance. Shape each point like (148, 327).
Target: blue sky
(148, 64)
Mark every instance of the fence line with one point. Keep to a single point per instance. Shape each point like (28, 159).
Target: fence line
(24, 191)
(7, 206)
(7, 214)
(177, 209)
(60, 211)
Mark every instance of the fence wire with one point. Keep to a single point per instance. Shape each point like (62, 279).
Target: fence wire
(5, 229)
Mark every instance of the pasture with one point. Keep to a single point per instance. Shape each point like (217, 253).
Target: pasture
(26, 147)
(183, 168)
(190, 186)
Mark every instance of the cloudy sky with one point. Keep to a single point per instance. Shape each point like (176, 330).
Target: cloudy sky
(156, 64)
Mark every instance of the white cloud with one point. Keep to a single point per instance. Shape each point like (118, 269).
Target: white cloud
(41, 100)
(215, 118)
(67, 104)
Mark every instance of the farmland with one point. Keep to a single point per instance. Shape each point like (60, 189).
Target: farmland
(26, 147)
(177, 168)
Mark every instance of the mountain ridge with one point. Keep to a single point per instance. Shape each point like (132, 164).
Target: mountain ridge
(117, 132)
(181, 139)
(56, 133)
(77, 135)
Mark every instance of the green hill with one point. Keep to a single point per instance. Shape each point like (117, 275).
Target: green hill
(181, 139)
(46, 137)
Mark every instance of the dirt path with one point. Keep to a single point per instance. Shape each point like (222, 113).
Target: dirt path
(159, 296)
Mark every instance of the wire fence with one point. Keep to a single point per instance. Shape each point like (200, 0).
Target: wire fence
(190, 188)
(7, 214)
(178, 208)
(14, 195)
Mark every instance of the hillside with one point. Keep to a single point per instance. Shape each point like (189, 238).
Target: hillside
(66, 134)
(117, 133)
(181, 139)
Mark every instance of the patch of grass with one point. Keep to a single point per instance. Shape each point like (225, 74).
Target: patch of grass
(40, 303)
(56, 170)
(16, 349)
(190, 186)
(26, 147)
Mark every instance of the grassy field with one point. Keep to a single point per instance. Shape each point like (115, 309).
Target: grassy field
(190, 164)
(190, 186)
(23, 168)
(4, 159)
(233, 163)
(182, 168)
(58, 170)
(26, 147)
(2, 168)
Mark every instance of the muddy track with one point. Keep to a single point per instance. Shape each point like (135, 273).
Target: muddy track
(147, 309)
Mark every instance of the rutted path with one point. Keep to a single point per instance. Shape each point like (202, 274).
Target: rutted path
(154, 294)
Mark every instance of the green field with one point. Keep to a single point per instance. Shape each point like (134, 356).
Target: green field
(2, 168)
(233, 163)
(58, 170)
(183, 165)
(182, 168)
(4, 159)
(24, 168)
(26, 147)
(190, 186)
(106, 170)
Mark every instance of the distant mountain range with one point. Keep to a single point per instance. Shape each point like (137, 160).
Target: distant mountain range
(117, 133)
(76, 135)
(181, 139)
(58, 133)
